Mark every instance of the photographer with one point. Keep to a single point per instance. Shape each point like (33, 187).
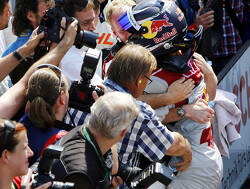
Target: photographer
(85, 12)
(14, 153)
(89, 145)
(26, 18)
(10, 62)
(14, 98)
(47, 87)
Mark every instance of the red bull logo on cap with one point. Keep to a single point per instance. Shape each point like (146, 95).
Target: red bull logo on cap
(157, 25)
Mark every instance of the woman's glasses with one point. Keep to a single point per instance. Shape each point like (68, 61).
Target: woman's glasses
(55, 69)
(9, 128)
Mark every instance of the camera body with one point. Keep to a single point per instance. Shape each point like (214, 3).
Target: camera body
(43, 172)
(80, 94)
(155, 172)
(51, 25)
(137, 178)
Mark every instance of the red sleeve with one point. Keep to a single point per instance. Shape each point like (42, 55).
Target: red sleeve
(193, 27)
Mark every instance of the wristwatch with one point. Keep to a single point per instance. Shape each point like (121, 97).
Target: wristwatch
(18, 56)
(181, 111)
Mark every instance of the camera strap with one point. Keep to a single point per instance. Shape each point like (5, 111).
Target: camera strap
(86, 134)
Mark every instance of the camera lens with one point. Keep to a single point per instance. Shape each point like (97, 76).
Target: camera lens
(78, 40)
(127, 173)
(86, 38)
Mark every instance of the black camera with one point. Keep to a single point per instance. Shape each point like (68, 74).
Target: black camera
(51, 25)
(80, 94)
(155, 172)
(135, 178)
(43, 170)
(127, 173)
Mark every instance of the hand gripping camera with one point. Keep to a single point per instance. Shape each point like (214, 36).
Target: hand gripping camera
(51, 25)
(43, 172)
(80, 94)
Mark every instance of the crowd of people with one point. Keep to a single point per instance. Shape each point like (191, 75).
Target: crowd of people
(157, 86)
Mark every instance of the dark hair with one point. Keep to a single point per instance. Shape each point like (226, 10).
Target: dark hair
(21, 23)
(12, 138)
(2, 5)
(73, 6)
(42, 92)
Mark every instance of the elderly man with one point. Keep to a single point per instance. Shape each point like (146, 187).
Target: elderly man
(87, 158)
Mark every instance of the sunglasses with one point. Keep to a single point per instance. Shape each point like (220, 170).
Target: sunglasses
(9, 128)
(56, 70)
(149, 80)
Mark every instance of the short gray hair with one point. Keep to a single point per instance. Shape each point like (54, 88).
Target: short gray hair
(112, 113)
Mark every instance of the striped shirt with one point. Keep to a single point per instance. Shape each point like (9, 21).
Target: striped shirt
(146, 136)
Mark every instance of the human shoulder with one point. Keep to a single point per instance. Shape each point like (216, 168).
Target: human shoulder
(145, 109)
(71, 137)
(16, 44)
(90, 172)
(26, 121)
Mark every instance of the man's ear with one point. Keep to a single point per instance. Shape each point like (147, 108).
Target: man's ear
(139, 80)
(31, 16)
(124, 132)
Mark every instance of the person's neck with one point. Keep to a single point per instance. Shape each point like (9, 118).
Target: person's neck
(59, 116)
(5, 179)
(103, 143)
(60, 113)
(133, 90)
